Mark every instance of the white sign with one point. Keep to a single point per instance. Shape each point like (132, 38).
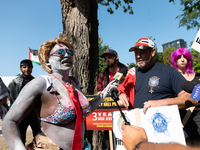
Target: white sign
(7, 79)
(196, 43)
(162, 125)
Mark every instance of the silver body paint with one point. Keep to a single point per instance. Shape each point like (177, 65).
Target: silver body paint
(35, 96)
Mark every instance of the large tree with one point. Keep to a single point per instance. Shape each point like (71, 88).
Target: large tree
(80, 25)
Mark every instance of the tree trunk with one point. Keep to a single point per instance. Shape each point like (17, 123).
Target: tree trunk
(80, 25)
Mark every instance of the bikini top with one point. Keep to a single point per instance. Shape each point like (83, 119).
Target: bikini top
(62, 114)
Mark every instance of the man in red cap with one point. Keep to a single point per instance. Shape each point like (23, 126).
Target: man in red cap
(152, 84)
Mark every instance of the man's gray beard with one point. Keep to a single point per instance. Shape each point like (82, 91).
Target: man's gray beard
(146, 63)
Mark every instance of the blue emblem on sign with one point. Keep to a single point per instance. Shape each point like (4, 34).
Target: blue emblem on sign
(160, 122)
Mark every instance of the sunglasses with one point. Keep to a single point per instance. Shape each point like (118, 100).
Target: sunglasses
(62, 52)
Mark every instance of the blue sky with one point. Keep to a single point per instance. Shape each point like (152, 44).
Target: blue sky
(29, 23)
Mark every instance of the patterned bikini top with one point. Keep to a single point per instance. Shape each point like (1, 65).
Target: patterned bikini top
(62, 114)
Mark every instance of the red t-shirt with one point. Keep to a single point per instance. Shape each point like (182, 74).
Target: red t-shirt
(111, 75)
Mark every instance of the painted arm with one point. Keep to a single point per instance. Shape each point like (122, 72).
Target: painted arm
(96, 101)
(183, 101)
(24, 103)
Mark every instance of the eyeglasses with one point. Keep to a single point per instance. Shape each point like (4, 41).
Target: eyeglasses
(62, 52)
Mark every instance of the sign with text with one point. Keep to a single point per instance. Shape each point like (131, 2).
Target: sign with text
(162, 125)
(196, 93)
(196, 43)
(101, 118)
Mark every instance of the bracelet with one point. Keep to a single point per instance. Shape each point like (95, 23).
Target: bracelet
(138, 145)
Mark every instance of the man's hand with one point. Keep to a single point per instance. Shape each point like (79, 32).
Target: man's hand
(123, 100)
(132, 135)
(154, 103)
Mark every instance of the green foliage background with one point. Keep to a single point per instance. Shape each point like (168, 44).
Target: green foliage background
(189, 18)
(167, 55)
(102, 49)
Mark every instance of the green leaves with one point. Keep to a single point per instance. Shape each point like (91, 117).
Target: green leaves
(190, 17)
(196, 60)
(102, 49)
(167, 55)
(125, 4)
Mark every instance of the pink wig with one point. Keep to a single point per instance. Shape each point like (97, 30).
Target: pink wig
(175, 54)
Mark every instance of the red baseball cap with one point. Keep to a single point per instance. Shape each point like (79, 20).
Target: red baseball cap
(142, 43)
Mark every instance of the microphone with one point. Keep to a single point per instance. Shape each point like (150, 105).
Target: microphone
(119, 77)
(114, 94)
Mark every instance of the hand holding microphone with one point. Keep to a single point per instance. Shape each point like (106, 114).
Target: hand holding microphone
(114, 94)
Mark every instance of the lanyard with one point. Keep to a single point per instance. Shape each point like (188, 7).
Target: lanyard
(77, 139)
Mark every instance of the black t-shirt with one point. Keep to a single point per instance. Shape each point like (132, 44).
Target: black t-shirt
(157, 82)
(25, 81)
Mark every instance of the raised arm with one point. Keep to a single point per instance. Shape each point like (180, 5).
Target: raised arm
(24, 103)
(96, 101)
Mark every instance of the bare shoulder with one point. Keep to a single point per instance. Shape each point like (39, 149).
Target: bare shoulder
(36, 85)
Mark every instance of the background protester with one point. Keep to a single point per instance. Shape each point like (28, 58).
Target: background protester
(113, 66)
(3, 99)
(15, 86)
(182, 60)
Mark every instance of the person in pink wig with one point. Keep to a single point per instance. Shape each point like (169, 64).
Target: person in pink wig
(182, 60)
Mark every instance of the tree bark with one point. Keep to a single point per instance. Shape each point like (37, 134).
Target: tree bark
(80, 25)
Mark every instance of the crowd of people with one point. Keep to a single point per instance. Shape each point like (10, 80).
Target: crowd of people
(55, 105)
